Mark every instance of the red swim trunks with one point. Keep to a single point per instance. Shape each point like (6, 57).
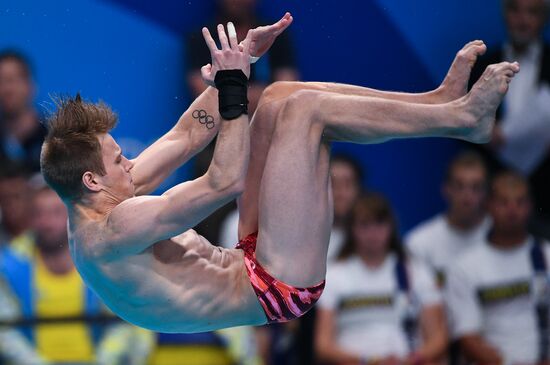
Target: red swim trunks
(281, 302)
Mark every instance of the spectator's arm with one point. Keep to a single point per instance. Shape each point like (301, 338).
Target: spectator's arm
(477, 350)
(466, 317)
(432, 321)
(15, 349)
(123, 344)
(434, 333)
(325, 341)
(414, 247)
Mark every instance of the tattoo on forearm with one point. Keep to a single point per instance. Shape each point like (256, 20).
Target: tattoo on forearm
(204, 118)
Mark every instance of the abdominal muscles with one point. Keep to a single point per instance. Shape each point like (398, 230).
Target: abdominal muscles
(180, 285)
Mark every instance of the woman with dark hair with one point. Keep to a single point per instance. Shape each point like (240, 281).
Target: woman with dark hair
(378, 306)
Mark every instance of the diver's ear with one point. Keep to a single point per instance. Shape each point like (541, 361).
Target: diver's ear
(90, 181)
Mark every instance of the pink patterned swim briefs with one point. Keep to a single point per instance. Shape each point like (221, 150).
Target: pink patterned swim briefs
(281, 302)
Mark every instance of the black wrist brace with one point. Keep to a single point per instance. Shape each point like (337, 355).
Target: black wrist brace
(232, 88)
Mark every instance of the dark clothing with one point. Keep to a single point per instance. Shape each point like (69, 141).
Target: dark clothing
(26, 152)
(540, 177)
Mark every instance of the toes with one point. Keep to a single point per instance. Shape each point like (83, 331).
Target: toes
(473, 43)
(514, 67)
(480, 49)
(471, 51)
(505, 66)
(491, 69)
(502, 72)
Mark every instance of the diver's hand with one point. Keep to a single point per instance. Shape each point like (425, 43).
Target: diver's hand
(230, 57)
(260, 39)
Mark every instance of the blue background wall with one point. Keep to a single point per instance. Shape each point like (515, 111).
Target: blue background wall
(130, 53)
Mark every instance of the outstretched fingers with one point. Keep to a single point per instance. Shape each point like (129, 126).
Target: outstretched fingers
(232, 32)
(209, 41)
(230, 57)
(283, 23)
(276, 28)
(223, 38)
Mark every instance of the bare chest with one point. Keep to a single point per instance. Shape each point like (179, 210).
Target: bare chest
(184, 278)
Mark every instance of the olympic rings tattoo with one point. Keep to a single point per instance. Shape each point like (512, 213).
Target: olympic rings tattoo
(204, 118)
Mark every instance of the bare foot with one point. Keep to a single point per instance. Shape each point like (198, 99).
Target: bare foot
(485, 97)
(455, 84)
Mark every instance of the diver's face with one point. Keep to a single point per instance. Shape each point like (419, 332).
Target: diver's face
(118, 179)
(525, 20)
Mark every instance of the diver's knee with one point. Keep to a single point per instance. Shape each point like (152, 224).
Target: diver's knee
(302, 105)
(278, 90)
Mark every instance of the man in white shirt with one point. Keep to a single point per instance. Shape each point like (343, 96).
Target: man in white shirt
(521, 139)
(438, 241)
(490, 290)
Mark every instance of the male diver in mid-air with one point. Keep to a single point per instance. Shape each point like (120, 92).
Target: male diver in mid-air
(138, 252)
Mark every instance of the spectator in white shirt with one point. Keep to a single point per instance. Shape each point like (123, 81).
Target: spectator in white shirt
(490, 290)
(521, 138)
(438, 241)
(361, 315)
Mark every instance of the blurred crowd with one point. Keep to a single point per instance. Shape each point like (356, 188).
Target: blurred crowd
(468, 286)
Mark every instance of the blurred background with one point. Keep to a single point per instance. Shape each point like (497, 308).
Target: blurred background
(142, 58)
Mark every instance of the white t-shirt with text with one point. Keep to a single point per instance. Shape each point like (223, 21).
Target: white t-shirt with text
(489, 291)
(438, 244)
(368, 317)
